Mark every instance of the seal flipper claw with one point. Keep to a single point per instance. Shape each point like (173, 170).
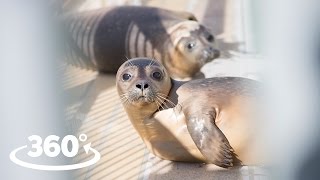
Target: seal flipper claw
(209, 139)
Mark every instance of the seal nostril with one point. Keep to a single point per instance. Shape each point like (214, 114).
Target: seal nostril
(142, 86)
(210, 38)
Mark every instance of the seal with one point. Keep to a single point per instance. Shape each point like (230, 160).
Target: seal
(206, 120)
(107, 37)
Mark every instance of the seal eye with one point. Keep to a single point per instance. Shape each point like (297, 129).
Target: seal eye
(210, 38)
(157, 75)
(126, 77)
(191, 45)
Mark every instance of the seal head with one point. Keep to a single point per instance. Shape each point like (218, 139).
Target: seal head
(139, 82)
(192, 48)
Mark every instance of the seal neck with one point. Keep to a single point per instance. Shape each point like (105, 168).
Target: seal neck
(137, 115)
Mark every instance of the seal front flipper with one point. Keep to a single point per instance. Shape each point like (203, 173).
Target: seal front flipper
(209, 139)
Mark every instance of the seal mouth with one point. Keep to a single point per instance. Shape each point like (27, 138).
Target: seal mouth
(142, 98)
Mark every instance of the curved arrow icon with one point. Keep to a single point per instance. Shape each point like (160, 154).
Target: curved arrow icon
(86, 147)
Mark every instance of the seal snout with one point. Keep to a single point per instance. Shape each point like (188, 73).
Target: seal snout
(210, 54)
(143, 91)
(142, 85)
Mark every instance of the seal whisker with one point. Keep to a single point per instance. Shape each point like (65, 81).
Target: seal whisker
(125, 102)
(157, 100)
(164, 104)
(161, 105)
(166, 99)
(158, 96)
(130, 63)
(158, 105)
(152, 62)
(174, 106)
(124, 99)
(123, 95)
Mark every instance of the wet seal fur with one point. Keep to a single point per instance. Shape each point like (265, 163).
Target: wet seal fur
(107, 37)
(207, 120)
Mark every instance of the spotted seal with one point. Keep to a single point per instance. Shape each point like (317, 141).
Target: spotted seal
(207, 120)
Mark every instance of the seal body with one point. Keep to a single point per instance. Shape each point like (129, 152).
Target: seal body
(109, 36)
(208, 120)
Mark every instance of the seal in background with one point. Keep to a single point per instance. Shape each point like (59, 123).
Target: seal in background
(107, 37)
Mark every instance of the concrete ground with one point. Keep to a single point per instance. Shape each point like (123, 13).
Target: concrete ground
(93, 106)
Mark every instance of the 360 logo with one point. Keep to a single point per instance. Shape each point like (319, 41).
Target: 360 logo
(52, 148)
